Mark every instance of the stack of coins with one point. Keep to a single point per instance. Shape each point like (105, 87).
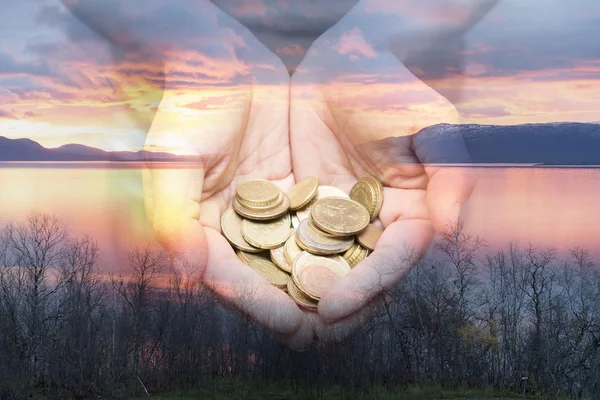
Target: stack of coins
(303, 241)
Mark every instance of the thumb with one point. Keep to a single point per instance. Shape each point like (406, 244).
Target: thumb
(173, 214)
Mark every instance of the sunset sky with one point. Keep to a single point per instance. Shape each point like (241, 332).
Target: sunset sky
(62, 81)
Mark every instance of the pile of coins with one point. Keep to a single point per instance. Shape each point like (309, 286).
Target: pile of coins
(305, 240)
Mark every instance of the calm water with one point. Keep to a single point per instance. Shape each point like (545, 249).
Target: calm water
(546, 206)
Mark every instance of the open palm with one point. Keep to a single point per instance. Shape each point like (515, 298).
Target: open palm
(346, 121)
(246, 139)
(231, 112)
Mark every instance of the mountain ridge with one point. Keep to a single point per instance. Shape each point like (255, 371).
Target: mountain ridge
(554, 143)
(24, 149)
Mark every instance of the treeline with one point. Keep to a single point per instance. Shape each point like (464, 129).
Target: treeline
(464, 316)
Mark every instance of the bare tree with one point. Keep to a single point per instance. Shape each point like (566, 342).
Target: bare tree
(37, 246)
(138, 290)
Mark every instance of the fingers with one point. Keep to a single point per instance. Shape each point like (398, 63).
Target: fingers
(341, 329)
(449, 187)
(204, 255)
(448, 190)
(397, 249)
(243, 288)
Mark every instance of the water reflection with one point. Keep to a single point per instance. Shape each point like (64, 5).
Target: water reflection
(545, 206)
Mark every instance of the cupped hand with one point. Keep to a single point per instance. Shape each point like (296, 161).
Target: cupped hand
(238, 130)
(355, 111)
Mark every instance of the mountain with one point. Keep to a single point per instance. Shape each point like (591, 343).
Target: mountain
(29, 150)
(560, 143)
(80, 149)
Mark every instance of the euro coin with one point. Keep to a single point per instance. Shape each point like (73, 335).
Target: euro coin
(355, 254)
(304, 241)
(267, 234)
(246, 257)
(270, 272)
(295, 220)
(314, 274)
(303, 192)
(311, 241)
(261, 215)
(231, 226)
(291, 249)
(279, 259)
(316, 229)
(340, 216)
(364, 193)
(257, 192)
(264, 207)
(369, 237)
(322, 193)
(378, 186)
(301, 298)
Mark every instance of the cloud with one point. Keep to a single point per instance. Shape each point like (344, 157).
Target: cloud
(7, 96)
(9, 65)
(5, 114)
(485, 112)
(286, 23)
(31, 114)
(353, 42)
(475, 69)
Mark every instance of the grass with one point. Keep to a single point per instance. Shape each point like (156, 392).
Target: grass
(231, 390)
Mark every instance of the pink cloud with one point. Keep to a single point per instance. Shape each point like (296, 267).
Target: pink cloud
(475, 69)
(429, 13)
(353, 42)
(7, 114)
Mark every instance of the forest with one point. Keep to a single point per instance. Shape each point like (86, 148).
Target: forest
(466, 315)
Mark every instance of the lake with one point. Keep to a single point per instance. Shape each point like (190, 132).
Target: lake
(545, 206)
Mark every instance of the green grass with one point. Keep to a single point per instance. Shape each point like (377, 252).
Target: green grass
(231, 390)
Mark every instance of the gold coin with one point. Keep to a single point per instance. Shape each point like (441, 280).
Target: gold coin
(231, 226)
(300, 298)
(340, 216)
(369, 237)
(316, 279)
(358, 254)
(310, 240)
(291, 249)
(314, 274)
(261, 215)
(378, 186)
(246, 257)
(263, 207)
(364, 193)
(267, 234)
(316, 229)
(351, 251)
(295, 220)
(322, 193)
(279, 259)
(270, 272)
(257, 192)
(303, 192)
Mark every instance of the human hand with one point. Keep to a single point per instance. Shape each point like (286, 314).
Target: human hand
(230, 111)
(354, 111)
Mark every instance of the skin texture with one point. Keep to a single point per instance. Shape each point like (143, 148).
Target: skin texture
(185, 205)
(334, 141)
(306, 126)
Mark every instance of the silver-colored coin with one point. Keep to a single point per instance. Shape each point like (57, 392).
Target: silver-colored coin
(310, 240)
